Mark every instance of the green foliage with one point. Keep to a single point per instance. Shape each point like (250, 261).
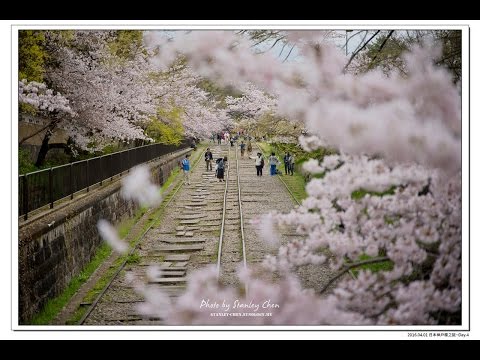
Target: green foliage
(111, 148)
(360, 193)
(269, 124)
(31, 55)
(105, 150)
(133, 258)
(451, 52)
(166, 127)
(376, 267)
(218, 92)
(126, 43)
(296, 184)
(25, 164)
(24, 108)
(388, 57)
(301, 155)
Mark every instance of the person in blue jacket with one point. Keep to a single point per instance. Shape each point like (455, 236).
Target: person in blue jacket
(186, 169)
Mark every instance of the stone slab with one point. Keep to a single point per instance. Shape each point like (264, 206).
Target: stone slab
(177, 257)
(189, 221)
(191, 216)
(168, 273)
(172, 287)
(169, 280)
(193, 205)
(179, 248)
(162, 265)
(180, 240)
(180, 264)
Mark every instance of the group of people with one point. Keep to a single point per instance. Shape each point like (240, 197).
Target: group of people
(226, 137)
(273, 162)
(242, 148)
(221, 163)
(222, 136)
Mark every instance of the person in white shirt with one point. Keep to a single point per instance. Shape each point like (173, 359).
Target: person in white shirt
(259, 163)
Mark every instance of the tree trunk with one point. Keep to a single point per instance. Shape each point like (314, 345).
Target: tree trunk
(42, 154)
(44, 148)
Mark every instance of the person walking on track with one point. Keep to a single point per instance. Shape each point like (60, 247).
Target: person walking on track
(291, 164)
(186, 169)
(286, 162)
(208, 159)
(273, 161)
(242, 149)
(259, 163)
(249, 147)
(221, 163)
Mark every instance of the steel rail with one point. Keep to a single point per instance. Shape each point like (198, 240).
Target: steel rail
(222, 228)
(240, 210)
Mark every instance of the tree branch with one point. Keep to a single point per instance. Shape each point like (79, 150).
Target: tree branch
(380, 49)
(346, 42)
(50, 125)
(281, 51)
(275, 43)
(288, 54)
(361, 48)
(352, 266)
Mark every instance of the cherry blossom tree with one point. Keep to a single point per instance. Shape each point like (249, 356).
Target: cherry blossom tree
(114, 91)
(201, 114)
(105, 95)
(40, 97)
(255, 111)
(111, 95)
(253, 103)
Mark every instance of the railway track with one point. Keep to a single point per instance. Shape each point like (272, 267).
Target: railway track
(231, 253)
